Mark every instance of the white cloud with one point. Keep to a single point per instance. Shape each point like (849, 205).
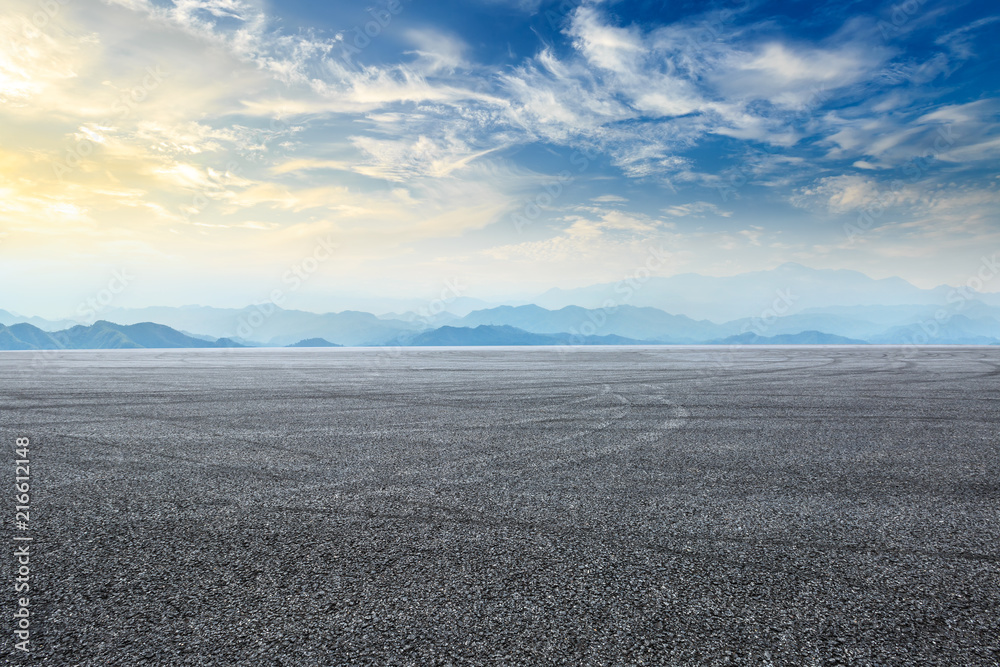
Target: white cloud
(597, 236)
(842, 194)
(883, 213)
(797, 76)
(645, 97)
(34, 61)
(619, 50)
(438, 51)
(282, 136)
(753, 235)
(696, 209)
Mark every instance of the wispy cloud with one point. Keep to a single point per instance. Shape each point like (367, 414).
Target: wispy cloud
(187, 125)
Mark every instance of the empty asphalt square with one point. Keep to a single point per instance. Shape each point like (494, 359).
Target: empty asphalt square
(512, 506)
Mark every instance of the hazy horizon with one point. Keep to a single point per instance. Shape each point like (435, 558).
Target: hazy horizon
(453, 298)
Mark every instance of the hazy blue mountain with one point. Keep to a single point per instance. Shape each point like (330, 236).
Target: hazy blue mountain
(850, 327)
(242, 341)
(148, 334)
(651, 324)
(272, 325)
(506, 335)
(481, 335)
(881, 316)
(101, 335)
(954, 330)
(802, 338)
(200, 320)
(198, 336)
(35, 338)
(228, 342)
(8, 318)
(627, 321)
(683, 309)
(8, 341)
(750, 294)
(346, 328)
(314, 342)
(458, 305)
(425, 319)
(687, 308)
(886, 316)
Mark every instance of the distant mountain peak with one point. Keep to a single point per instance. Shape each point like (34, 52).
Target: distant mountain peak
(314, 342)
(103, 334)
(749, 294)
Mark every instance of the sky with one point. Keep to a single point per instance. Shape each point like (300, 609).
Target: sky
(228, 152)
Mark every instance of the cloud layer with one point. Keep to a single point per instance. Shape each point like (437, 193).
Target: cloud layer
(210, 142)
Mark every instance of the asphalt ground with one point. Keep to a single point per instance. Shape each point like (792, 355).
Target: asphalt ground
(507, 506)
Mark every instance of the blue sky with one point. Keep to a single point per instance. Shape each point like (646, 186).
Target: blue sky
(209, 147)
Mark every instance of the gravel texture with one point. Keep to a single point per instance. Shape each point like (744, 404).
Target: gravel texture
(513, 506)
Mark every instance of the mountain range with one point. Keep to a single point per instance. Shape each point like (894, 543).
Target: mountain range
(732, 297)
(507, 335)
(788, 305)
(107, 335)
(651, 327)
(100, 336)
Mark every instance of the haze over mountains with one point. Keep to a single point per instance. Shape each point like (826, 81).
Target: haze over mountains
(788, 305)
(745, 295)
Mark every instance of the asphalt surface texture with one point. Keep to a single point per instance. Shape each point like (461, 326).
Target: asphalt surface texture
(507, 506)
